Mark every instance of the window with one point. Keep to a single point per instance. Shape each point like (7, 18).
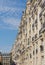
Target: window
(33, 52)
(42, 40)
(36, 51)
(36, 21)
(32, 38)
(40, 14)
(41, 48)
(30, 29)
(28, 41)
(33, 27)
(36, 24)
(44, 24)
(30, 56)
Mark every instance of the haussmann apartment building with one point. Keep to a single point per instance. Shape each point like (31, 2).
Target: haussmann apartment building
(29, 47)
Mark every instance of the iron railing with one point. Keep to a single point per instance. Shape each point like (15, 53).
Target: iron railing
(42, 29)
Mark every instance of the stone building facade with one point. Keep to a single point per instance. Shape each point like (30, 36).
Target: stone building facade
(29, 47)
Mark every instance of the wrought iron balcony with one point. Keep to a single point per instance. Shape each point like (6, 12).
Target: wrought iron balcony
(40, 15)
(23, 49)
(20, 51)
(42, 29)
(42, 3)
(39, 1)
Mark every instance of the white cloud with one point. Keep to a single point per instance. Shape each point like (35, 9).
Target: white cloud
(13, 20)
(10, 11)
(10, 23)
(6, 8)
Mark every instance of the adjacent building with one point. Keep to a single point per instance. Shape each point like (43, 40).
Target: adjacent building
(29, 47)
(0, 58)
(6, 59)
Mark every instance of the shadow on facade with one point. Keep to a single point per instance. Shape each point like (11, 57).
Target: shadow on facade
(13, 63)
(0, 63)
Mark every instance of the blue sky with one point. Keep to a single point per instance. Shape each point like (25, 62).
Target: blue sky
(10, 17)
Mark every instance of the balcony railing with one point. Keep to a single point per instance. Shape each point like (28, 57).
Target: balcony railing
(42, 29)
(41, 14)
(39, 1)
(42, 3)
